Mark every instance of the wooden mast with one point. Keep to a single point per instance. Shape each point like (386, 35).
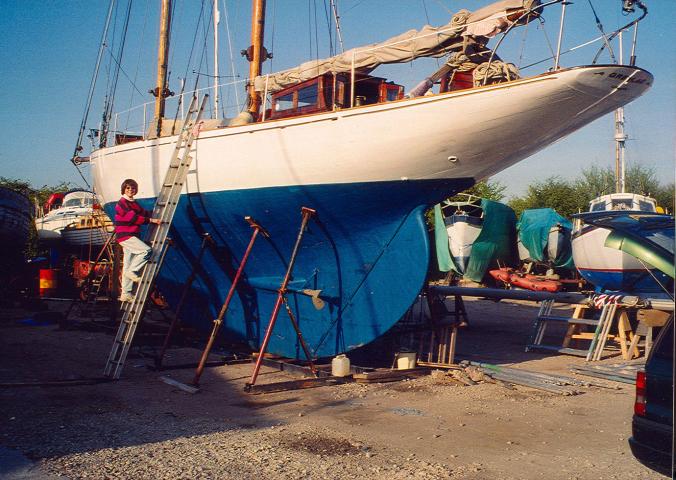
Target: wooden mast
(256, 54)
(161, 91)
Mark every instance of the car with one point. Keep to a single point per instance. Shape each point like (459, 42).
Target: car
(652, 440)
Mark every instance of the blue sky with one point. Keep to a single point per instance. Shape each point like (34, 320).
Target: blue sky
(48, 50)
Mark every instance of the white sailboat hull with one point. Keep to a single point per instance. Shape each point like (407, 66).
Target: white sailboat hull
(467, 134)
(370, 173)
(461, 237)
(51, 225)
(605, 267)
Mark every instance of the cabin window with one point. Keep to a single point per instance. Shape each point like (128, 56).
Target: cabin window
(284, 103)
(598, 206)
(646, 206)
(391, 95)
(308, 96)
(622, 204)
(369, 91)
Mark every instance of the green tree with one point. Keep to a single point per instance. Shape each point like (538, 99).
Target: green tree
(490, 189)
(593, 182)
(596, 181)
(553, 192)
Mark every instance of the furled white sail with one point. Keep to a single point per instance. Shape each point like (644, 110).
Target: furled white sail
(427, 42)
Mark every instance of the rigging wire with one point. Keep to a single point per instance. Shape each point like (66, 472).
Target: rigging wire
(172, 51)
(354, 6)
(522, 47)
(90, 95)
(316, 24)
(272, 40)
(138, 64)
(329, 28)
(132, 82)
(309, 27)
(204, 60)
(336, 19)
(232, 59)
(185, 75)
(599, 25)
(110, 97)
(427, 21)
(448, 10)
(427, 15)
(549, 44)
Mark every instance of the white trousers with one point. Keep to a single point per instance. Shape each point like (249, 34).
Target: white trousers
(136, 255)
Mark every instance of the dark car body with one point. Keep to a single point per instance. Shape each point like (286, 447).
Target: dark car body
(652, 425)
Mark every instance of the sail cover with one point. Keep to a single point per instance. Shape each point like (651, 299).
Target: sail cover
(427, 42)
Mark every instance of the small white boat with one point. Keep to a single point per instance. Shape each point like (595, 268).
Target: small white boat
(544, 238)
(463, 225)
(93, 229)
(76, 204)
(608, 268)
(555, 240)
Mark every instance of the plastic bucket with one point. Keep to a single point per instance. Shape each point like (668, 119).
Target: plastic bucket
(48, 282)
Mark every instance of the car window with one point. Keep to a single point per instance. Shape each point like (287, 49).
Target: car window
(664, 347)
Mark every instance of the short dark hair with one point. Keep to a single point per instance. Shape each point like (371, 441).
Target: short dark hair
(130, 182)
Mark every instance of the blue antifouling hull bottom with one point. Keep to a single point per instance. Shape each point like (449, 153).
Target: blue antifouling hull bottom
(367, 252)
(635, 281)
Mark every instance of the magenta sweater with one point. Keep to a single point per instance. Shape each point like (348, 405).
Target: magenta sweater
(129, 216)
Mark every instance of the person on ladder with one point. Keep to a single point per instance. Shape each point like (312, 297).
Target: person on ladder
(129, 216)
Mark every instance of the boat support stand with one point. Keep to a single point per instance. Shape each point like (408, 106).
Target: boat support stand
(206, 239)
(306, 213)
(219, 320)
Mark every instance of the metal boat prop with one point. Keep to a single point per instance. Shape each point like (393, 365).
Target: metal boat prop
(367, 158)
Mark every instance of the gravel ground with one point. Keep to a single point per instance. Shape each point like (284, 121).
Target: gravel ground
(427, 428)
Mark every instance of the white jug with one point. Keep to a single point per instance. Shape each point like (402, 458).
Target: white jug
(340, 366)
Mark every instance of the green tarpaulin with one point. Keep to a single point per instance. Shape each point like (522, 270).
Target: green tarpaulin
(496, 242)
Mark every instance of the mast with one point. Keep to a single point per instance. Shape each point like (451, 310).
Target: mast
(217, 18)
(161, 91)
(620, 139)
(256, 54)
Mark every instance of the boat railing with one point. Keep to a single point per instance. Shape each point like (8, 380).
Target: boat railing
(137, 120)
(604, 39)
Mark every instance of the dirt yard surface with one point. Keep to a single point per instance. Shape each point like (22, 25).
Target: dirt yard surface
(427, 428)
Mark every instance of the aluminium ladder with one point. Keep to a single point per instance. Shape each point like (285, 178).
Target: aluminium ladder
(165, 207)
(546, 317)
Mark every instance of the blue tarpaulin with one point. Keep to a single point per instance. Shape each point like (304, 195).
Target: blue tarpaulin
(534, 226)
